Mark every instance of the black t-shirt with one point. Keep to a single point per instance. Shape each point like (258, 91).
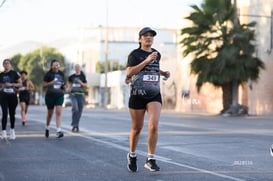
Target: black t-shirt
(57, 89)
(147, 82)
(11, 77)
(75, 86)
(23, 89)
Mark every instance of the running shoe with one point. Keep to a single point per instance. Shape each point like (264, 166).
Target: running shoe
(4, 134)
(151, 165)
(75, 129)
(132, 163)
(59, 134)
(271, 150)
(46, 133)
(12, 134)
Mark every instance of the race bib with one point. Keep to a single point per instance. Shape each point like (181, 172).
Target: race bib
(57, 86)
(76, 85)
(22, 88)
(151, 78)
(8, 90)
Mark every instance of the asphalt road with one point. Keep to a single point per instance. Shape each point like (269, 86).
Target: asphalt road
(190, 147)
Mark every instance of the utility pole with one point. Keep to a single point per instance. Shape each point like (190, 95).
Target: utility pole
(106, 56)
(41, 87)
(235, 82)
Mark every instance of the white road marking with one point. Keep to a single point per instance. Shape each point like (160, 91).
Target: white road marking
(67, 129)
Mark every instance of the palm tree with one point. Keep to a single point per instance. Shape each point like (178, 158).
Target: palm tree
(222, 49)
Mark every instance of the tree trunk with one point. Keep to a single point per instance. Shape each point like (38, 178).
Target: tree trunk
(227, 96)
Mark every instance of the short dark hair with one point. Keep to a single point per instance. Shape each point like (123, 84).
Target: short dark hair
(7, 60)
(23, 72)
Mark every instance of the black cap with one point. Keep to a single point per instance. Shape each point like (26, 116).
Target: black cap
(146, 30)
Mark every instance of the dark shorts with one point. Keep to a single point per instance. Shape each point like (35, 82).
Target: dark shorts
(24, 98)
(54, 101)
(137, 102)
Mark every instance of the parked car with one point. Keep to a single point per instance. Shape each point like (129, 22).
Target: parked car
(67, 101)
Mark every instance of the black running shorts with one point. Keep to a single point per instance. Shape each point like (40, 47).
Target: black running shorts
(137, 102)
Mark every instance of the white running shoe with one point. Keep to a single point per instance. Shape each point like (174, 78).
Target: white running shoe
(4, 134)
(12, 134)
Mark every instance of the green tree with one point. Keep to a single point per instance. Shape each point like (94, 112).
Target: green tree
(15, 61)
(99, 67)
(222, 49)
(112, 66)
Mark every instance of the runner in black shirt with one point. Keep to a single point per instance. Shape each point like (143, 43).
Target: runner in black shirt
(9, 80)
(24, 95)
(54, 82)
(143, 74)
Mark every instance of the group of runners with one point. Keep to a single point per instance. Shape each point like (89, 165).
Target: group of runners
(13, 82)
(143, 75)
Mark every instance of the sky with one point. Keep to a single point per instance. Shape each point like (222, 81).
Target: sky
(46, 20)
